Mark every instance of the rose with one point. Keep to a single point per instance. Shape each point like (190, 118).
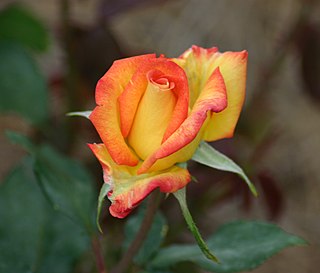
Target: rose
(153, 112)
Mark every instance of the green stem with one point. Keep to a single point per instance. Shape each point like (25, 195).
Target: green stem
(153, 204)
(98, 255)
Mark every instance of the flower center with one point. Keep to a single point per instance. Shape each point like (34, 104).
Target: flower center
(162, 83)
(159, 80)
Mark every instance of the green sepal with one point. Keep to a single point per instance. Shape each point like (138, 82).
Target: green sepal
(207, 155)
(181, 197)
(84, 114)
(103, 193)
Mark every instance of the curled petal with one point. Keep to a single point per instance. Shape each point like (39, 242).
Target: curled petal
(213, 98)
(128, 189)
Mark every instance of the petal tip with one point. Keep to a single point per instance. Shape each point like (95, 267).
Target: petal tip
(244, 54)
(198, 50)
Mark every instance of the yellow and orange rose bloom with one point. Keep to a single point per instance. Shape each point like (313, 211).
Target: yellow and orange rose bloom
(152, 113)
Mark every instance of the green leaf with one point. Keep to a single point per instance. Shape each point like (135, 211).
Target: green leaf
(154, 238)
(240, 246)
(84, 114)
(34, 237)
(20, 26)
(23, 87)
(103, 193)
(208, 156)
(181, 197)
(67, 185)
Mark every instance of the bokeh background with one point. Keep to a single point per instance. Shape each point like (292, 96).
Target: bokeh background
(277, 140)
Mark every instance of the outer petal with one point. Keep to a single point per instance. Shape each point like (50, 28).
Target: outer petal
(128, 189)
(196, 62)
(213, 98)
(199, 52)
(105, 119)
(119, 75)
(199, 63)
(233, 66)
(105, 115)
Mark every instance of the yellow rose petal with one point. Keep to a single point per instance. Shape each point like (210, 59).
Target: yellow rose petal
(153, 115)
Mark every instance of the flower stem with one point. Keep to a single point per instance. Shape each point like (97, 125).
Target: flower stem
(98, 255)
(152, 206)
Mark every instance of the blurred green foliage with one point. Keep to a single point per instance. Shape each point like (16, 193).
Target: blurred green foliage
(22, 27)
(34, 236)
(66, 184)
(23, 87)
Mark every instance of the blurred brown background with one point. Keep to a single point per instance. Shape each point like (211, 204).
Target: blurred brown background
(278, 138)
